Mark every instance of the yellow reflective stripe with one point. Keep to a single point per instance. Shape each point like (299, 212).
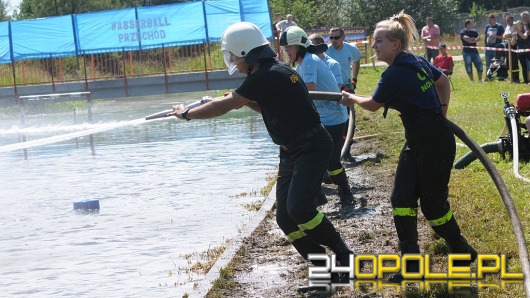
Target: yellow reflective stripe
(295, 235)
(312, 223)
(335, 172)
(442, 220)
(405, 211)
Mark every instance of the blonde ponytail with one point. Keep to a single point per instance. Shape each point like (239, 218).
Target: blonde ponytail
(400, 27)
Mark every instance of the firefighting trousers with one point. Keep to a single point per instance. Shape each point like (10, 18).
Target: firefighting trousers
(335, 167)
(423, 174)
(299, 178)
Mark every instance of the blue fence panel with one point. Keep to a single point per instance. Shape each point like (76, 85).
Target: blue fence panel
(5, 51)
(257, 12)
(128, 29)
(171, 24)
(41, 38)
(106, 30)
(220, 15)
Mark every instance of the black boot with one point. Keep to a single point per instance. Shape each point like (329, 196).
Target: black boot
(456, 243)
(413, 266)
(327, 179)
(343, 188)
(325, 234)
(460, 246)
(321, 198)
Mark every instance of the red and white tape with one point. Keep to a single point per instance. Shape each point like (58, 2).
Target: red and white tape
(471, 47)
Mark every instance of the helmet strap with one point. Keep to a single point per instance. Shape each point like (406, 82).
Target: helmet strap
(300, 53)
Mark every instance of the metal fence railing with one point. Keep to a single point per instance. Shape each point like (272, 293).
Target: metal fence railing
(113, 65)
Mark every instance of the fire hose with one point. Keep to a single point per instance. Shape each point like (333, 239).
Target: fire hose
(475, 148)
(497, 179)
(510, 112)
(499, 146)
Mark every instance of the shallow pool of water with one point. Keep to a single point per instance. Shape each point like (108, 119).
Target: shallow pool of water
(167, 188)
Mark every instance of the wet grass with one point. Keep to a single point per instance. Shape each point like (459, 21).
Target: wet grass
(478, 109)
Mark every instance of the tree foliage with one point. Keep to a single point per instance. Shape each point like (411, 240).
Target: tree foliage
(3, 11)
(502, 5)
(351, 13)
(307, 13)
(30, 9)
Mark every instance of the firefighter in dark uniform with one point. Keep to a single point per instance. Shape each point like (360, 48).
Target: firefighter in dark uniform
(276, 91)
(420, 92)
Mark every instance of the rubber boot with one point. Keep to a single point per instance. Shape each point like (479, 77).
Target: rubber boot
(326, 234)
(455, 242)
(407, 247)
(460, 246)
(321, 198)
(343, 188)
(307, 245)
(327, 179)
(316, 263)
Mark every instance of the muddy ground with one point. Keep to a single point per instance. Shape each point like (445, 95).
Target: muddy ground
(268, 266)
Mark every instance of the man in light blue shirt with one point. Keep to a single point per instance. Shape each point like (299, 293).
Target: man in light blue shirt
(348, 56)
(333, 65)
(318, 77)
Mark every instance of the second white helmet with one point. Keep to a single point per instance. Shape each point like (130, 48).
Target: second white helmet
(294, 35)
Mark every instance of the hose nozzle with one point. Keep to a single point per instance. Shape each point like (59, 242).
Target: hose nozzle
(162, 114)
(167, 113)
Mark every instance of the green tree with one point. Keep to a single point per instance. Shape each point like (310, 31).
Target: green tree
(3, 11)
(317, 14)
(477, 13)
(303, 11)
(503, 5)
(31, 9)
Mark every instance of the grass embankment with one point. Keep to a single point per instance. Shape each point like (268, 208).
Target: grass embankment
(478, 109)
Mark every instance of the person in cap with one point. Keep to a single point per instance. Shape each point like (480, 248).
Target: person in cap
(318, 77)
(444, 61)
(277, 92)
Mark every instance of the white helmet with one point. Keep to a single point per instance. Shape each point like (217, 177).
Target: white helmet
(240, 39)
(294, 35)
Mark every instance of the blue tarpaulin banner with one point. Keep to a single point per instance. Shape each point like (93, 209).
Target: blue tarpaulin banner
(128, 29)
(5, 52)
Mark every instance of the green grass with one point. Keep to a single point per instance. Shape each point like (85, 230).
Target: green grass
(478, 109)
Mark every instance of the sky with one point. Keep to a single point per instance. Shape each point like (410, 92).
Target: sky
(12, 4)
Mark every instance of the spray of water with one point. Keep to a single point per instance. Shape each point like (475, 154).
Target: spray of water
(100, 127)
